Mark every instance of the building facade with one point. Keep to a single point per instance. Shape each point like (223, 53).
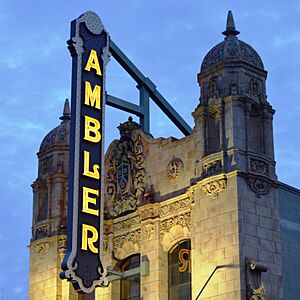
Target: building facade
(203, 215)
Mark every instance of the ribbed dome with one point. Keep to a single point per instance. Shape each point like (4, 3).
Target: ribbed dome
(59, 135)
(231, 49)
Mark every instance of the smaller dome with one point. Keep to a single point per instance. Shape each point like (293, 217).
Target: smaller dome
(60, 135)
(231, 49)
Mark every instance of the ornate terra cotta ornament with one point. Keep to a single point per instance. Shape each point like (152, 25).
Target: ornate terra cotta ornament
(175, 207)
(181, 220)
(255, 287)
(259, 187)
(133, 241)
(174, 170)
(258, 166)
(42, 248)
(214, 187)
(125, 175)
(148, 231)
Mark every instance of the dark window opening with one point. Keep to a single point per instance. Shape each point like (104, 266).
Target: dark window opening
(179, 262)
(130, 286)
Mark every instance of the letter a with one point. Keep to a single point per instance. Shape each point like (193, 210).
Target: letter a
(93, 63)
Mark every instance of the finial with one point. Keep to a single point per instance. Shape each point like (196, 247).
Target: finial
(230, 27)
(66, 113)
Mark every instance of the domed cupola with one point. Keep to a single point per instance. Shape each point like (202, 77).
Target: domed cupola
(60, 134)
(232, 68)
(231, 50)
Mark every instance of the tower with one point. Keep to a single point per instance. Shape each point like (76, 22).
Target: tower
(235, 165)
(50, 190)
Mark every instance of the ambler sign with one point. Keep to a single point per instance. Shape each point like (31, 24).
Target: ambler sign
(88, 46)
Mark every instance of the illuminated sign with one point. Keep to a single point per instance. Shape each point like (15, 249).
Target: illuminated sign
(89, 50)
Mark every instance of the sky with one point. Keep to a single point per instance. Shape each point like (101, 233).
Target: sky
(167, 41)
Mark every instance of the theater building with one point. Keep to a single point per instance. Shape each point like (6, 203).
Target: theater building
(204, 214)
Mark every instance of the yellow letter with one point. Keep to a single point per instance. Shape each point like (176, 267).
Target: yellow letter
(93, 63)
(87, 199)
(86, 166)
(92, 98)
(89, 241)
(92, 125)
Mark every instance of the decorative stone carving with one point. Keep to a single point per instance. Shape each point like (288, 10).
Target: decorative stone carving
(42, 248)
(148, 231)
(133, 236)
(126, 224)
(105, 243)
(181, 220)
(255, 287)
(62, 243)
(174, 207)
(175, 170)
(259, 167)
(41, 231)
(212, 168)
(149, 213)
(214, 187)
(259, 187)
(126, 175)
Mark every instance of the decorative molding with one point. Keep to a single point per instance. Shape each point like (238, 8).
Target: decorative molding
(133, 237)
(175, 207)
(41, 248)
(174, 171)
(149, 213)
(214, 187)
(255, 287)
(259, 167)
(259, 187)
(212, 168)
(181, 220)
(148, 231)
(126, 224)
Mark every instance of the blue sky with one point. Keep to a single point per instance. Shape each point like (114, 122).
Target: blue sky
(167, 41)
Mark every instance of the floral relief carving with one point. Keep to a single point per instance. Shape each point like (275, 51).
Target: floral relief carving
(212, 168)
(148, 231)
(175, 170)
(259, 167)
(42, 248)
(133, 236)
(259, 187)
(174, 207)
(148, 213)
(126, 224)
(181, 220)
(214, 187)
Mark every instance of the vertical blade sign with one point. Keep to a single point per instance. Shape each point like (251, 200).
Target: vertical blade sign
(89, 50)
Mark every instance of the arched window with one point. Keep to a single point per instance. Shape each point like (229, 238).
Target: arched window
(130, 286)
(179, 259)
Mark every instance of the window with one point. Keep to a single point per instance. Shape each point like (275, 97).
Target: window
(179, 260)
(130, 286)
